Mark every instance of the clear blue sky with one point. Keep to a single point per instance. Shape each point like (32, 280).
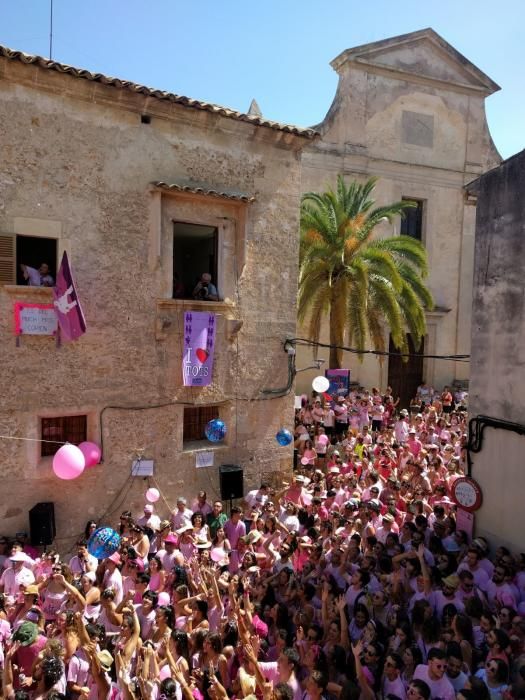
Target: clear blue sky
(278, 51)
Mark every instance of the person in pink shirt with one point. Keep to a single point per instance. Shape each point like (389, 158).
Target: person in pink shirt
(414, 445)
(234, 528)
(294, 492)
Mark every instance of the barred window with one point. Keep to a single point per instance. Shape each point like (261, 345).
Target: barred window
(71, 429)
(196, 419)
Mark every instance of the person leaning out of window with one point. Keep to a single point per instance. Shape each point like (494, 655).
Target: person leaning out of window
(205, 290)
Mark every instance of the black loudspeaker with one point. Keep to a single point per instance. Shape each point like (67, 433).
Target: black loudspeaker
(232, 482)
(42, 527)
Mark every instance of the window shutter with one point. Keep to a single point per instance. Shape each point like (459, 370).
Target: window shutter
(7, 258)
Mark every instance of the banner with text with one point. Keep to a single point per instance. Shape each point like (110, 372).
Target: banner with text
(339, 382)
(199, 345)
(35, 319)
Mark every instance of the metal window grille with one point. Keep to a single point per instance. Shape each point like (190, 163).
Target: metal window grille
(195, 420)
(71, 429)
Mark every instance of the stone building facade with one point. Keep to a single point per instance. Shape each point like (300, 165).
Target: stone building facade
(135, 184)
(410, 110)
(497, 399)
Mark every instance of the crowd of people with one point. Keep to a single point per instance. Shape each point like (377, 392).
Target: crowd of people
(352, 581)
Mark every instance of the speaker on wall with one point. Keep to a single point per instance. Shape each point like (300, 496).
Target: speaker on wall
(42, 527)
(232, 481)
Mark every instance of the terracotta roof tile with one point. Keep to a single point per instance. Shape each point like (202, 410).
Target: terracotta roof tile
(151, 92)
(195, 189)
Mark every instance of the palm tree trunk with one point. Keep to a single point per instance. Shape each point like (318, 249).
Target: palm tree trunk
(336, 356)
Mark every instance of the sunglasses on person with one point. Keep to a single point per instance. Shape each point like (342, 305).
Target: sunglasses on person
(57, 569)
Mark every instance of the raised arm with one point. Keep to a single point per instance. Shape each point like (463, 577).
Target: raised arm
(366, 691)
(427, 584)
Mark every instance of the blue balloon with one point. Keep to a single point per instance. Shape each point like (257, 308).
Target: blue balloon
(215, 431)
(284, 437)
(103, 542)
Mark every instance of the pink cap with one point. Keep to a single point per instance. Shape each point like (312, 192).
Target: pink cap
(148, 508)
(115, 558)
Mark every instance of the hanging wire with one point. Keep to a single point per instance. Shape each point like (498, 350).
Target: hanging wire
(380, 353)
(13, 437)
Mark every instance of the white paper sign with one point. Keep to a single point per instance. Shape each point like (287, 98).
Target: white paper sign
(142, 467)
(35, 320)
(204, 459)
(298, 403)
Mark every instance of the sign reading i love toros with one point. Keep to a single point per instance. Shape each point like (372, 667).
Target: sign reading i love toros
(199, 345)
(467, 493)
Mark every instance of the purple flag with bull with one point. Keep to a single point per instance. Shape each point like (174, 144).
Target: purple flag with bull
(199, 344)
(71, 319)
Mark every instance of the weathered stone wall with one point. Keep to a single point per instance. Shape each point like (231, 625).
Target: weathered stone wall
(78, 162)
(497, 377)
(409, 113)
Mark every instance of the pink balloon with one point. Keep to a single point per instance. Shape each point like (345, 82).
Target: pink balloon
(164, 598)
(218, 554)
(305, 461)
(165, 672)
(68, 462)
(152, 495)
(91, 452)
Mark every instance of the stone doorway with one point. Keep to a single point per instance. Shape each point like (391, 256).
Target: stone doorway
(405, 376)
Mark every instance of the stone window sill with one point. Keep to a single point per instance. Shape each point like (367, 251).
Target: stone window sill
(22, 290)
(201, 446)
(196, 305)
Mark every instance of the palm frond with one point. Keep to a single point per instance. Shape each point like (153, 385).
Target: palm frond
(362, 284)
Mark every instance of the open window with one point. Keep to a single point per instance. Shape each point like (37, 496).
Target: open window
(195, 251)
(33, 251)
(412, 222)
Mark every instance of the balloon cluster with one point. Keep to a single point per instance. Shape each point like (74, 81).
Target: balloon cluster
(70, 461)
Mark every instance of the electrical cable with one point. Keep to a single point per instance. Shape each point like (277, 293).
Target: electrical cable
(380, 353)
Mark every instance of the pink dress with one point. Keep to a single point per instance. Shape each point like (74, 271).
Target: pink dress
(154, 582)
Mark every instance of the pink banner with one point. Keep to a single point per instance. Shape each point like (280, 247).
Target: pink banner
(67, 304)
(199, 345)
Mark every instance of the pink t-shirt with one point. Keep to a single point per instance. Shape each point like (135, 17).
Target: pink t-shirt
(438, 689)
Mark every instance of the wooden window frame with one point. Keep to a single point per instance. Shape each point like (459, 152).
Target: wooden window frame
(71, 429)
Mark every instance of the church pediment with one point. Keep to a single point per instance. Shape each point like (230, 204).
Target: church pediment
(419, 55)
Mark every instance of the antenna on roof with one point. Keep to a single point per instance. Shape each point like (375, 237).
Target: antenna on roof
(51, 29)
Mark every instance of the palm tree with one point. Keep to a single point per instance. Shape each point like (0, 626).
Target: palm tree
(358, 281)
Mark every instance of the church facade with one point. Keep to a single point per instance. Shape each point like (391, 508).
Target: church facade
(410, 110)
